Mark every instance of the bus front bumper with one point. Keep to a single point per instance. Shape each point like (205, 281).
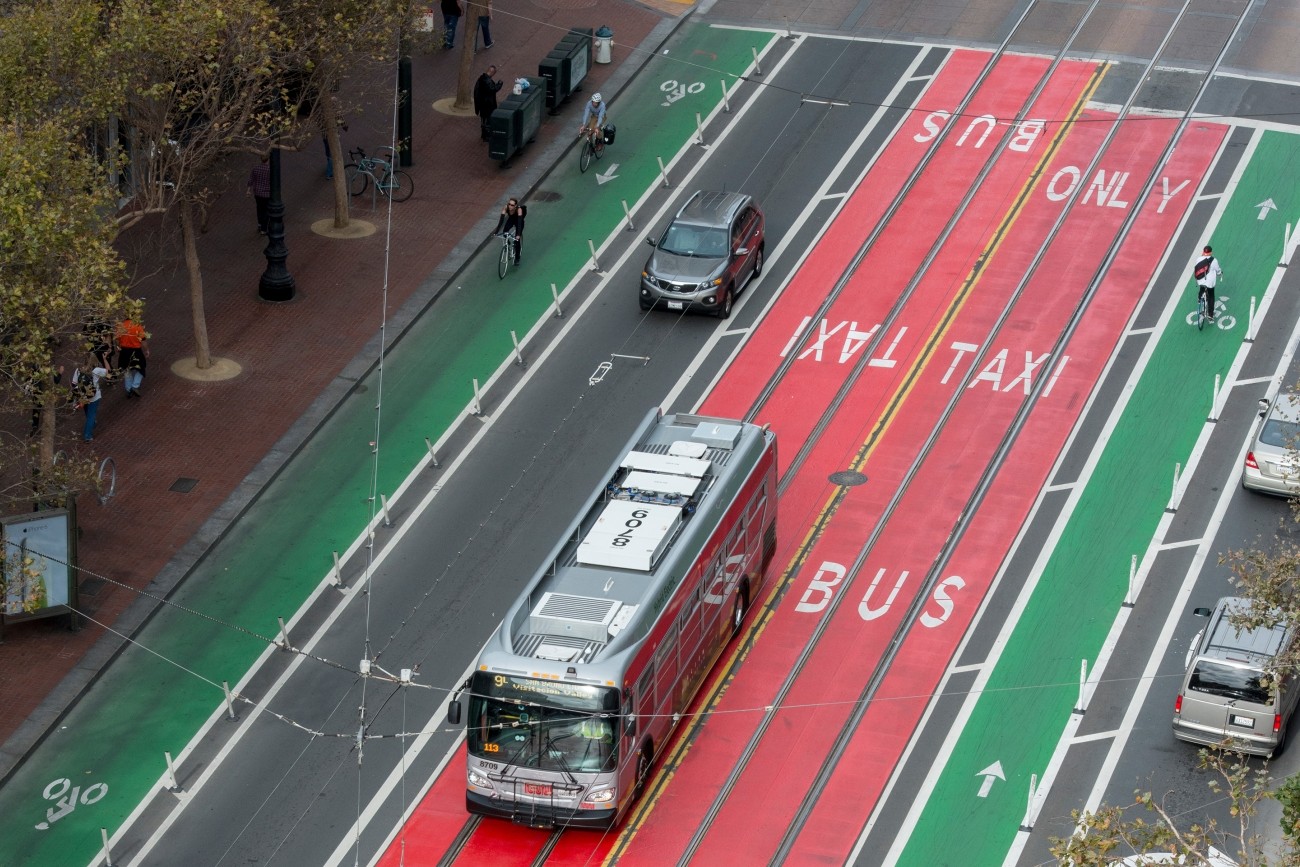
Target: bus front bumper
(540, 815)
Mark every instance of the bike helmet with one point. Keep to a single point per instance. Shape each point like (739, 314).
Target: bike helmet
(595, 99)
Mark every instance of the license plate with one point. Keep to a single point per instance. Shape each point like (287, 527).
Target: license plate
(1244, 721)
(674, 305)
(539, 789)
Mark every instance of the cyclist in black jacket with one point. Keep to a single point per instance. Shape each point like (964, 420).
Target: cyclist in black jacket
(512, 217)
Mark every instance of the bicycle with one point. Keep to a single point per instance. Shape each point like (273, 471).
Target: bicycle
(508, 252)
(593, 144)
(393, 183)
(1223, 320)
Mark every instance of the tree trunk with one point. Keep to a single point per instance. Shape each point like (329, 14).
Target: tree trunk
(202, 357)
(330, 121)
(468, 36)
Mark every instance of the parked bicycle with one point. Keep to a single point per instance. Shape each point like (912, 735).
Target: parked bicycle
(364, 170)
(593, 145)
(508, 252)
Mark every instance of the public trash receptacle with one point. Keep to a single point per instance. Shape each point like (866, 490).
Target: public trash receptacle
(604, 44)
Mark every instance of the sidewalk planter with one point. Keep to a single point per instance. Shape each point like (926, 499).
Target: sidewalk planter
(516, 121)
(566, 67)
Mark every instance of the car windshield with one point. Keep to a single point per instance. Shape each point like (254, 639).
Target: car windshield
(698, 241)
(543, 724)
(1229, 681)
(1282, 434)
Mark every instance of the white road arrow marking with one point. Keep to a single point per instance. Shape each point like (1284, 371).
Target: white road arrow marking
(991, 773)
(1264, 207)
(609, 175)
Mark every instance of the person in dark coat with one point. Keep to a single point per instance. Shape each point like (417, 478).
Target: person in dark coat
(485, 99)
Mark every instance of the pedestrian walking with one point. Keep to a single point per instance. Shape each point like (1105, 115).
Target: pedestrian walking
(85, 388)
(512, 217)
(450, 17)
(1208, 274)
(259, 187)
(132, 355)
(485, 25)
(485, 99)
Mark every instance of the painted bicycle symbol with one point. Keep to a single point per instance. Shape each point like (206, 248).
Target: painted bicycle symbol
(676, 90)
(66, 797)
(1224, 320)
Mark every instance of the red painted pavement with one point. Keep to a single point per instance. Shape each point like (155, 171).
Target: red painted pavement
(435, 823)
(810, 387)
(865, 767)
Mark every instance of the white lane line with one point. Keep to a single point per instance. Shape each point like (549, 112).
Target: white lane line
(958, 724)
(962, 669)
(1095, 736)
(1254, 380)
(1174, 546)
(1138, 331)
(1063, 486)
(833, 196)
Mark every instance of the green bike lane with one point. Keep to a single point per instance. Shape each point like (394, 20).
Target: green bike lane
(106, 755)
(1018, 717)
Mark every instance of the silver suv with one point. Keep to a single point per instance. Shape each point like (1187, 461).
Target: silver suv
(706, 256)
(1232, 690)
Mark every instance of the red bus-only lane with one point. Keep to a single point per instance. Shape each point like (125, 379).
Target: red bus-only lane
(718, 744)
(435, 823)
(839, 340)
(865, 767)
(782, 770)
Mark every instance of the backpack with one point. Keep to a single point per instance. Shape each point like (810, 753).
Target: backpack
(83, 386)
(1202, 268)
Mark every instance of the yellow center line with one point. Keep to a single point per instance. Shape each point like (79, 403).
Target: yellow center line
(720, 679)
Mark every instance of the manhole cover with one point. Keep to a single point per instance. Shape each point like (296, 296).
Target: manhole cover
(847, 478)
(183, 485)
(545, 196)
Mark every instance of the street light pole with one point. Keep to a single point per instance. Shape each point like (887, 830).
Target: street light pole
(277, 283)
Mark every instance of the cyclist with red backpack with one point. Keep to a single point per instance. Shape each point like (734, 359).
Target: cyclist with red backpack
(1208, 274)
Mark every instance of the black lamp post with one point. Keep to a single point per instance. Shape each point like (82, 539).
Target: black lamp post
(276, 283)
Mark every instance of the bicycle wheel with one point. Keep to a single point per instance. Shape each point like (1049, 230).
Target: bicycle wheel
(584, 156)
(358, 181)
(398, 186)
(503, 264)
(1200, 311)
(599, 146)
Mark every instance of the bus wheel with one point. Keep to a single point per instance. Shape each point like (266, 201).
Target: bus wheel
(643, 767)
(739, 608)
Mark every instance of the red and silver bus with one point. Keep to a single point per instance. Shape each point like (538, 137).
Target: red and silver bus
(592, 667)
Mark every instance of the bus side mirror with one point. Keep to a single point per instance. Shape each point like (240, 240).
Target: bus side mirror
(629, 725)
(453, 711)
(1202, 612)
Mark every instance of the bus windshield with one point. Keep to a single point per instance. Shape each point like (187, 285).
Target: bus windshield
(548, 725)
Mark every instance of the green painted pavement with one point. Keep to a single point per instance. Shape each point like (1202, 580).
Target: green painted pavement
(1032, 690)
(278, 552)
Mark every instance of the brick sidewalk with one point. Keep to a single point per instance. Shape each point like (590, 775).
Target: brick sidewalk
(229, 436)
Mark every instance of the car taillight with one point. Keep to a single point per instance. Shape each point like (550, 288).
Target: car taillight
(1277, 723)
(1178, 704)
(1251, 462)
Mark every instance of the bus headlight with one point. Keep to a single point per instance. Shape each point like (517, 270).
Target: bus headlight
(598, 798)
(478, 780)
